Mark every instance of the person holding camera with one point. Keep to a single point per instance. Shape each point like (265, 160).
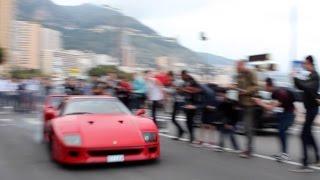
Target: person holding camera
(310, 87)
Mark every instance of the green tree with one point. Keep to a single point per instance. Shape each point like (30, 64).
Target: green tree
(1, 55)
(25, 74)
(105, 69)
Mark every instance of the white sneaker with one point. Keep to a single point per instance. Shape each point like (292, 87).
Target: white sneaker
(303, 169)
(218, 149)
(234, 151)
(281, 157)
(317, 164)
(196, 144)
(285, 157)
(209, 145)
(183, 139)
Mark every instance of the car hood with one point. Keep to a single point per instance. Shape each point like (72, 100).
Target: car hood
(102, 130)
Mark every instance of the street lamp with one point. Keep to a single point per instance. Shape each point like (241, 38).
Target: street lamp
(294, 28)
(204, 38)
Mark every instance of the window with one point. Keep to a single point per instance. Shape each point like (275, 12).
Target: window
(95, 106)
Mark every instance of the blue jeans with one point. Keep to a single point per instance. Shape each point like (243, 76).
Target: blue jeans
(190, 114)
(177, 107)
(231, 133)
(137, 100)
(285, 121)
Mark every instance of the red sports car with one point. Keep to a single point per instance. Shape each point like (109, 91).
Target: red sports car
(98, 129)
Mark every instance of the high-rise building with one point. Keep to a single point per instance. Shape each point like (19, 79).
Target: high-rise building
(128, 56)
(50, 41)
(71, 62)
(47, 64)
(163, 63)
(6, 19)
(104, 59)
(27, 45)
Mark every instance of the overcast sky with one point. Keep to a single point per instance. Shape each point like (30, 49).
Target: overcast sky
(236, 28)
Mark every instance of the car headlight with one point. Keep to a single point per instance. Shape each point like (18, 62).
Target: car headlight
(72, 140)
(150, 137)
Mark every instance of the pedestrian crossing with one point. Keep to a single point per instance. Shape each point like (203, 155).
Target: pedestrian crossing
(5, 120)
(19, 121)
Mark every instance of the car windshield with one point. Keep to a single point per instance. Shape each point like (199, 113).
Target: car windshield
(94, 106)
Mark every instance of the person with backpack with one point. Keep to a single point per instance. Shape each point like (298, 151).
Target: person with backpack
(283, 104)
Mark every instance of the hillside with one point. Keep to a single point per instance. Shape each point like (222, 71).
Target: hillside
(214, 59)
(95, 28)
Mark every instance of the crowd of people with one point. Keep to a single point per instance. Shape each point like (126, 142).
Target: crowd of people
(22, 95)
(208, 103)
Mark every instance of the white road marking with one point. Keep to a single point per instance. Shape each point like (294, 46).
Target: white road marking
(166, 118)
(164, 131)
(5, 125)
(255, 155)
(33, 121)
(299, 127)
(170, 136)
(6, 120)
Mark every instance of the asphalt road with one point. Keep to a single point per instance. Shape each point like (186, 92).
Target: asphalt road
(24, 157)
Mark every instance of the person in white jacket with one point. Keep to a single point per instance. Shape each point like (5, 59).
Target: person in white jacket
(155, 93)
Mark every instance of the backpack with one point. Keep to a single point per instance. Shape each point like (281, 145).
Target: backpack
(208, 96)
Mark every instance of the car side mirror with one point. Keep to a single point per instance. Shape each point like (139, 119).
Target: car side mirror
(50, 114)
(140, 112)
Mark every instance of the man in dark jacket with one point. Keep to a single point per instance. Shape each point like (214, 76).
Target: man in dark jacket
(192, 90)
(310, 88)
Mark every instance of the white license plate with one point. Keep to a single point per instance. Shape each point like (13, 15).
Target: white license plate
(115, 158)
